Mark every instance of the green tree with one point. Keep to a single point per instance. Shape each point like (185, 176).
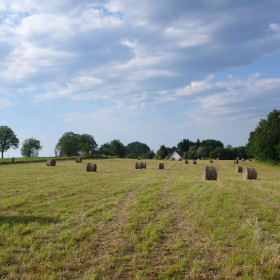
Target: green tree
(137, 148)
(162, 152)
(192, 153)
(31, 147)
(8, 139)
(87, 144)
(105, 149)
(184, 145)
(150, 155)
(68, 145)
(264, 141)
(202, 151)
(117, 148)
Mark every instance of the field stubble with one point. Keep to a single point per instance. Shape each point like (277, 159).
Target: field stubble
(121, 223)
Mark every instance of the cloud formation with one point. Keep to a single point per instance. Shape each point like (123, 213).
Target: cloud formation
(139, 55)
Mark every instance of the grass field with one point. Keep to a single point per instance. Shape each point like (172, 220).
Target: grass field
(121, 223)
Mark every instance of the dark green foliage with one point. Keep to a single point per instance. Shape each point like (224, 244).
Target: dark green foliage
(105, 149)
(202, 151)
(211, 143)
(136, 149)
(73, 144)
(264, 142)
(192, 153)
(150, 155)
(184, 145)
(8, 139)
(117, 148)
(162, 152)
(87, 144)
(31, 147)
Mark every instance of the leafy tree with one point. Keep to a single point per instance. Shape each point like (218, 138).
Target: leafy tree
(117, 148)
(31, 147)
(150, 155)
(137, 148)
(213, 143)
(184, 145)
(202, 151)
(264, 141)
(192, 153)
(67, 145)
(105, 149)
(8, 139)
(162, 152)
(87, 144)
(217, 153)
(241, 152)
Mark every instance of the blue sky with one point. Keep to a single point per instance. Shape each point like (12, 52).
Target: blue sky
(148, 71)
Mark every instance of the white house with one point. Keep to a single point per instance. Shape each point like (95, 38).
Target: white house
(177, 155)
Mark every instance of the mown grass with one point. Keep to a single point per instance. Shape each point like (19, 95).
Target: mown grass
(121, 223)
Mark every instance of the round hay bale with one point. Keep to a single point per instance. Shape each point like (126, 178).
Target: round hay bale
(159, 158)
(138, 158)
(218, 158)
(186, 161)
(202, 158)
(173, 158)
(161, 166)
(237, 158)
(210, 173)
(211, 160)
(250, 173)
(143, 165)
(243, 159)
(194, 161)
(238, 169)
(138, 165)
(104, 156)
(79, 159)
(91, 167)
(250, 159)
(180, 159)
(51, 162)
(235, 161)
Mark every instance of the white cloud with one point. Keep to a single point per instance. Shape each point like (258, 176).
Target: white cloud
(7, 103)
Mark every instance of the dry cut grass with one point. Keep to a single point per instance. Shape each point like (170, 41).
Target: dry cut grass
(121, 223)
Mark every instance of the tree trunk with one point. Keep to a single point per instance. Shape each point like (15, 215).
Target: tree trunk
(2, 154)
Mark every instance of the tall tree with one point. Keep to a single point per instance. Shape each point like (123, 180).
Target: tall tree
(137, 148)
(117, 148)
(67, 145)
(8, 139)
(264, 142)
(87, 144)
(105, 149)
(31, 147)
(184, 145)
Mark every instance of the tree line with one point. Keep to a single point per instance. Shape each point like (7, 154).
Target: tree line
(263, 144)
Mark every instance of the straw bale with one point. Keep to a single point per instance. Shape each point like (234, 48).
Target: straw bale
(194, 161)
(180, 159)
(250, 173)
(238, 169)
(159, 158)
(138, 157)
(186, 161)
(79, 159)
(91, 167)
(211, 160)
(161, 166)
(210, 173)
(138, 165)
(235, 161)
(250, 159)
(143, 165)
(51, 162)
(243, 159)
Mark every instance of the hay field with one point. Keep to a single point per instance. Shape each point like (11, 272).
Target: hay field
(121, 223)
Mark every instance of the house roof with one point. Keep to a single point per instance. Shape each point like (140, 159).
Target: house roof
(168, 156)
(180, 153)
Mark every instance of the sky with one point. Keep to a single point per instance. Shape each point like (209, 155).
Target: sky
(150, 71)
